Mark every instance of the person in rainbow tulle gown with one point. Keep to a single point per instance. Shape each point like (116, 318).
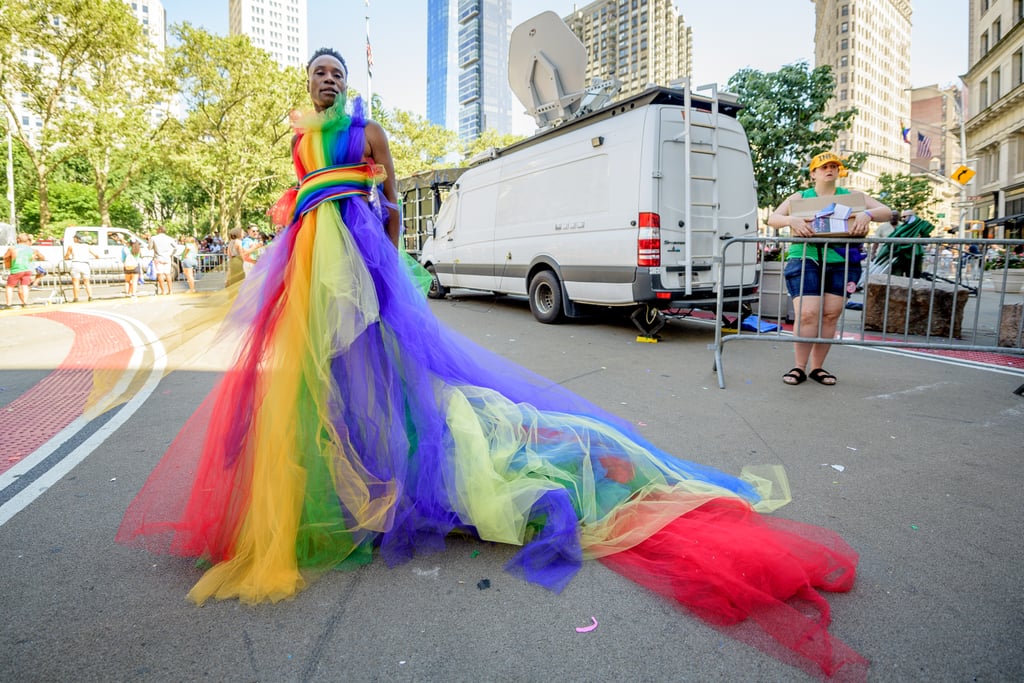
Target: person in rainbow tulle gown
(353, 424)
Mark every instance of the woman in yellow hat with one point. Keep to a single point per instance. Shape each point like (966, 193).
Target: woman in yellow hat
(809, 273)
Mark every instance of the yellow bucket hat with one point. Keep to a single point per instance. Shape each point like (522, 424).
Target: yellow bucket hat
(828, 158)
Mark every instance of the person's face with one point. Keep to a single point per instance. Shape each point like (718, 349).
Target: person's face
(254, 233)
(325, 80)
(829, 171)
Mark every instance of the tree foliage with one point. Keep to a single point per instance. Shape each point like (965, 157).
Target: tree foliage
(62, 38)
(904, 191)
(416, 144)
(123, 118)
(784, 119)
(236, 133)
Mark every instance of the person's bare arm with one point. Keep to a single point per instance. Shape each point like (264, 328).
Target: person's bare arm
(377, 140)
(781, 218)
(8, 258)
(878, 212)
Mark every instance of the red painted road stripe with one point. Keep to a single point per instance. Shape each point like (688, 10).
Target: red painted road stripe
(53, 403)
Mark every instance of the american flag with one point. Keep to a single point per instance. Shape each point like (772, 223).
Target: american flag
(924, 146)
(369, 57)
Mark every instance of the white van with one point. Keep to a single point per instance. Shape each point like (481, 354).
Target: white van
(626, 206)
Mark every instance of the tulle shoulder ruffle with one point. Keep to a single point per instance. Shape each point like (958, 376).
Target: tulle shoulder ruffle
(339, 116)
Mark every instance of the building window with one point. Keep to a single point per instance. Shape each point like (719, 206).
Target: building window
(997, 30)
(844, 61)
(844, 44)
(983, 94)
(1017, 66)
(842, 94)
(994, 79)
(984, 6)
(991, 165)
(984, 43)
(844, 11)
(1019, 165)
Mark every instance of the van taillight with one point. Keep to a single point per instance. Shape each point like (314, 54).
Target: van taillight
(648, 243)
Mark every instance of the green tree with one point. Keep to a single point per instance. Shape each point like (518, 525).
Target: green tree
(784, 119)
(60, 39)
(234, 141)
(124, 115)
(73, 204)
(167, 197)
(904, 191)
(489, 138)
(416, 144)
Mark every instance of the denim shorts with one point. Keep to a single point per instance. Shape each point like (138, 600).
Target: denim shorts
(836, 277)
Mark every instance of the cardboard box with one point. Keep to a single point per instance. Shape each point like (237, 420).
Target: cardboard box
(833, 218)
(807, 208)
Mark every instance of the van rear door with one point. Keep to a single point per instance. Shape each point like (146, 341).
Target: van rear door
(706, 192)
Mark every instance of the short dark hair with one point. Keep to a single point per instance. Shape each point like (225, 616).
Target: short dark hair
(327, 51)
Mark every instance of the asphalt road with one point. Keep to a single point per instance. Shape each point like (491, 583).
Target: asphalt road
(915, 462)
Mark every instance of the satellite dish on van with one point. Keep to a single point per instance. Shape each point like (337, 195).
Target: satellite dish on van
(547, 65)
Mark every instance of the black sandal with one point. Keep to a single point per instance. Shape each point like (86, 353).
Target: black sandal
(820, 376)
(796, 375)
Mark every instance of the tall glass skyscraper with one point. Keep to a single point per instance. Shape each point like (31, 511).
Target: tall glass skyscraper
(440, 33)
(467, 46)
(485, 99)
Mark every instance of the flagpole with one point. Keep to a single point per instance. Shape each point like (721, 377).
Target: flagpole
(369, 66)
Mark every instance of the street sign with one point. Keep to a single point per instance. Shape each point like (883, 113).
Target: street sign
(940, 215)
(963, 205)
(962, 175)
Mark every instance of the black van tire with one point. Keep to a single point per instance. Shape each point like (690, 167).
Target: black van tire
(437, 290)
(546, 298)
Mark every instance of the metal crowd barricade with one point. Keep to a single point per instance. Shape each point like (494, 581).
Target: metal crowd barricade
(979, 291)
(56, 281)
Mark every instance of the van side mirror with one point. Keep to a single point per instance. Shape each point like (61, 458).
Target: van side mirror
(431, 228)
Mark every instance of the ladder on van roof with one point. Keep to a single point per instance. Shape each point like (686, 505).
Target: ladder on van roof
(688, 177)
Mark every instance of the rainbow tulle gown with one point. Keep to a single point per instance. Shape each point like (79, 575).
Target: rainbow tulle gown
(353, 422)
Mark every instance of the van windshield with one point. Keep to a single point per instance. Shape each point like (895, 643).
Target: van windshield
(446, 215)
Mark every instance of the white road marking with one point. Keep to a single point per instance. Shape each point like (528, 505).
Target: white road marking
(23, 498)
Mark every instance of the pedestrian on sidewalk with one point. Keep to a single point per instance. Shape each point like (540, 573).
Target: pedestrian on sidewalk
(79, 253)
(18, 261)
(236, 257)
(163, 246)
(252, 242)
(131, 260)
(188, 261)
(807, 268)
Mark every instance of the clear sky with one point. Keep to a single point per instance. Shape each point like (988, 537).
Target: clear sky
(727, 36)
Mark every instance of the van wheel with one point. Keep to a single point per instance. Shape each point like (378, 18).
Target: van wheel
(546, 298)
(437, 290)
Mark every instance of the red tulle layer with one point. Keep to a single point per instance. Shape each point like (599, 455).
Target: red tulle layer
(726, 563)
